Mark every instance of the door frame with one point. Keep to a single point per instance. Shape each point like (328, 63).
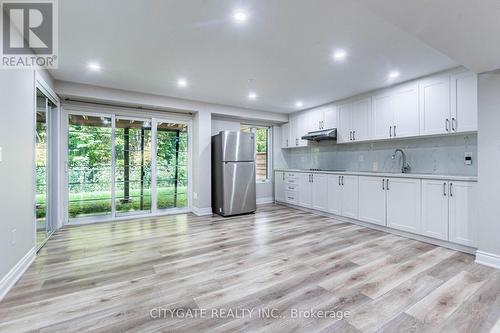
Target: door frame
(124, 113)
(53, 210)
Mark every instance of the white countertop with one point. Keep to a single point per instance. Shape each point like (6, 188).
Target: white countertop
(388, 174)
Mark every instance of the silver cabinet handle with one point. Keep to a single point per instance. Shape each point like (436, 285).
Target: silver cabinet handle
(390, 131)
(339, 181)
(451, 189)
(342, 180)
(354, 135)
(394, 130)
(283, 176)
(287, 142)
(453, 122)
(444, 189)
(312, 178)
(350, 135)
(387, 185)
(383, 184)
(447, 125)
(296, 142)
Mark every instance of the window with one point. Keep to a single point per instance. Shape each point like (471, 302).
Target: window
(262, 144)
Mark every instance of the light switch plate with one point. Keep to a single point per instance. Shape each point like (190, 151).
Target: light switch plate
(468, 158)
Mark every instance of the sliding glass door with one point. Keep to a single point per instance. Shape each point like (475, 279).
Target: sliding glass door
(133, 166)
(43, 166)
(172, 165)
(120, 166)
(90, 158)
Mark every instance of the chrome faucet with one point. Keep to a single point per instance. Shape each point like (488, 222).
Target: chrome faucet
(405, 167)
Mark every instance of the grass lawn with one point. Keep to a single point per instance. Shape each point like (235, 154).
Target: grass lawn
(96, 203)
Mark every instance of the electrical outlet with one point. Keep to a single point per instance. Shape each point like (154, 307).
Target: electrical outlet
(13, 237)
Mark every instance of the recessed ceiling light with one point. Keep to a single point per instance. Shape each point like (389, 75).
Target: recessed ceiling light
(339, 55)
(394, 75)
(239, 16)
(299, 104)
(252, 95)
(182, 83)
(94, 66)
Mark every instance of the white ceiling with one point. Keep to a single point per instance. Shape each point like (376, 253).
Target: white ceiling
(467, 31)
(284, 51)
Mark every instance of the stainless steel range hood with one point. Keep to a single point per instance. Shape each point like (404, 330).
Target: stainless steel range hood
(328, 134)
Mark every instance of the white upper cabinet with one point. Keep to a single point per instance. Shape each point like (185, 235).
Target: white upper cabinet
(314, 120)
(405, 105)
(395, 112)
(354, 120)
(319, 191)
(298, 128)
(440, 104)
(285, 135)
(403, 204)
(329, 117)
(344, 131)
(321, 118)
(382, 115)
(435, 105)
(464, 102)
(361, 113)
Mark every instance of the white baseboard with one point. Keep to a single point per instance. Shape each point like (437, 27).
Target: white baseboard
(10, 279)
(201, 211)
(422, 238)
(488, 259)
(265, 200)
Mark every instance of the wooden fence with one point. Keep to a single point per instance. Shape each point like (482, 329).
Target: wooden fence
(261, 166)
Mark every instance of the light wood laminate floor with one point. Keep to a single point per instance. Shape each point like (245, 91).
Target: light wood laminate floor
(108, 277)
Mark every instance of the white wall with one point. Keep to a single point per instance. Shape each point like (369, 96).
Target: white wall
(202, 127)
(17, 201)
(489, 163)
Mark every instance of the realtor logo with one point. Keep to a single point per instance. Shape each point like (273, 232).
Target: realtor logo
(29, 34)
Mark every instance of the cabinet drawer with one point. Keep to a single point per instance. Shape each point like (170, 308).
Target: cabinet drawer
(290, 175)
(291, 196)
(291, 181)
(291, 187)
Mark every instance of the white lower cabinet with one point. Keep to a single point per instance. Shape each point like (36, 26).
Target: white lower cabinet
(343, 195)
(305, 190)
(392, 202)
(439, 209)
(372, 200)
(279, 186)
(462, 207)
(403, 204)
(319, 191)
(449, 211)
(435, 209)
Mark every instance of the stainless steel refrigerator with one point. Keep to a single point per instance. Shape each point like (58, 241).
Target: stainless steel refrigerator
(233, 173)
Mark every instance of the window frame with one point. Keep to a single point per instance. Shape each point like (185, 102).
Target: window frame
(269, 129)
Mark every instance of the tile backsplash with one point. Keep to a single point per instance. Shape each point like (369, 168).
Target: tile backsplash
(434, 155)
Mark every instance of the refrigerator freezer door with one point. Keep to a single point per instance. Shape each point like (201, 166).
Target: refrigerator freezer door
(239, 188)
(238, 146)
